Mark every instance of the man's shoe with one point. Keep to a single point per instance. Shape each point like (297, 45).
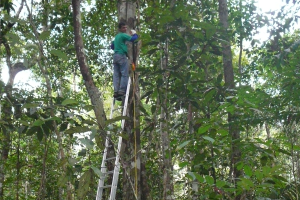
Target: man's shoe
(121, 93)
(116, 95)
(119, 98)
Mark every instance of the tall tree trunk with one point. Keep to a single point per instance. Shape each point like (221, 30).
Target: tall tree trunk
(93, 91)
(229, 81)
(131, 155)
(168, 190)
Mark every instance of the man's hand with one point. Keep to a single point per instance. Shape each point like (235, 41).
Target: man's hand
(132, 32)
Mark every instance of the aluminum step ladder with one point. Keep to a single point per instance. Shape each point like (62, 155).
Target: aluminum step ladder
(116, 171)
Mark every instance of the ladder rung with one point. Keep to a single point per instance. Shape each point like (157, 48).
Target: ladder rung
(107, 159)
(106, 186)
(109, 172)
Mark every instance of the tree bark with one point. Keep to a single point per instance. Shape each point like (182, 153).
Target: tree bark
(229, 82)
(92, 90)
(168, 190)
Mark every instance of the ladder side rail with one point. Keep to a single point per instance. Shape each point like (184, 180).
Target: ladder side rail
(126, 103)
(114, 184)
(103, 172)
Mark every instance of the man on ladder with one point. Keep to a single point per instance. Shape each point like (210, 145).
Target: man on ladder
(120, 62)
(121, 82)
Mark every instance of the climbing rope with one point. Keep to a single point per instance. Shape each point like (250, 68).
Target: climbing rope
(135, 142)
(134, 55)
(134, 117)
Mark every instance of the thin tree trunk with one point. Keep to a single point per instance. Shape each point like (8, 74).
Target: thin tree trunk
(42, 190)
(8, 102)
(42, 66)
(195, 182)
(168, 190)
(18, 167)
(241, 41)
(229, 81)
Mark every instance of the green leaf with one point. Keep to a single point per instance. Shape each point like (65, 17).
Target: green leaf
(191, 175)
(194, 176)
(54, 119)
(209, 180)
(72, 161)
(13, 38)
(69, 102)
(209, 94)
(38, 122)
(284, 152)
(209, 139)
(88, 107)
(64, 126)
(89, 122)
(143, 110)
(223, 132)
(110, 121)
(248, 170)
(97, 171)
(88, 143)
(296, 147)
(246, 183)
(84, 184)
(62, 180)
(59, 54)
(125, 136)
(220, 184)
(40, 135)
(32, 130)
(280, 178)
(183, 164)
(44, 35)
(183, 145)
(258, 175)
(30, 105)
(199, 178)
(78, 129)
(82, 152)
(203, 129)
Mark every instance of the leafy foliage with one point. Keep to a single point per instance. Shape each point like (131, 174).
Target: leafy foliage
(42, 125)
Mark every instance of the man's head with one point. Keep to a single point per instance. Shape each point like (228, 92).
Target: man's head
(122, 27)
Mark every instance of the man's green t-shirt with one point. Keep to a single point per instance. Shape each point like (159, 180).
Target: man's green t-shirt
(119, 43)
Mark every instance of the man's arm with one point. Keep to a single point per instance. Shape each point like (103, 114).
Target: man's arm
(134, 36)
(112, 45)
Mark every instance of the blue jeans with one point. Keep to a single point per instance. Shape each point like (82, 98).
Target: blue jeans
(121, 74)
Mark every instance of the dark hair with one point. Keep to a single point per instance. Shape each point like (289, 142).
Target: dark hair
(121, 24)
